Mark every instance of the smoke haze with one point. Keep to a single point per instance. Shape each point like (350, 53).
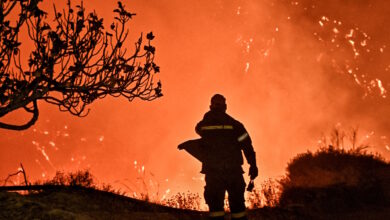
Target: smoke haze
(290, 70)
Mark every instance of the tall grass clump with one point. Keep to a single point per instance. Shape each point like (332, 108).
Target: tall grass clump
(265, 195)
(337, 178)
(190, 201)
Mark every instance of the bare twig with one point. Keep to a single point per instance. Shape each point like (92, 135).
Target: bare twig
(11, 175)
(20, 170)
(24, 175)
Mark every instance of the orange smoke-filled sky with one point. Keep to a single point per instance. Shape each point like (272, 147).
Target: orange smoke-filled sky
(290, 70)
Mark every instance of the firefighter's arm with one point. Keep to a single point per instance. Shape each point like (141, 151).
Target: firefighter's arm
(246, 143)
(251, 159)
(249, 152)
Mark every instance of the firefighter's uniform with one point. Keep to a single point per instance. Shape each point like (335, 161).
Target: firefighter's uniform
(225, 138)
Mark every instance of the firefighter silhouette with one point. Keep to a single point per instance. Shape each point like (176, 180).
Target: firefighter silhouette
(220, 150)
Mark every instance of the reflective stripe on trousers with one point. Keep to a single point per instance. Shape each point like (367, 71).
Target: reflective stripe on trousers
(217, 214)
(238, 215)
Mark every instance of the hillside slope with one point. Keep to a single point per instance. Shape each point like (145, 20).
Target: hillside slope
(86, 204)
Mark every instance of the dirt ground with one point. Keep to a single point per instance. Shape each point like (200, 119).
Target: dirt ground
(85, 204)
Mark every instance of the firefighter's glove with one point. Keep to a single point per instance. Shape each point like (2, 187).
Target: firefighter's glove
(253, 172)
(251, 185)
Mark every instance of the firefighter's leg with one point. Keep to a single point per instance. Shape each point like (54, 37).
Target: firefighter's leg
(214, 194)
(236, 190)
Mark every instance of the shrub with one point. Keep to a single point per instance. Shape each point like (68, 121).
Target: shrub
(334, 178)
(190, 201)
(79, 178)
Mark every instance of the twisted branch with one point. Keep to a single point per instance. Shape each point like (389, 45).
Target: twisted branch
(73, 63)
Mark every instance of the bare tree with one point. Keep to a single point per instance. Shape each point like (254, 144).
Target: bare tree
(75, 60)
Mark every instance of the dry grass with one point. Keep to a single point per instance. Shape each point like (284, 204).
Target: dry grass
(190, 201)
(267, 195)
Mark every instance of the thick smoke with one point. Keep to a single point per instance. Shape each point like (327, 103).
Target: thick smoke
(288, 69)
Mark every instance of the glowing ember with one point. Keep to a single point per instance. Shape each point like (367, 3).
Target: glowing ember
(369, 134)
(350, 34)
(44, 154)
(382, 89)
(247, 67)
(356, 79)
(266, 53)
(358, 40)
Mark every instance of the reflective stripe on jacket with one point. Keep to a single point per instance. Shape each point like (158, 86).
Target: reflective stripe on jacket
(225, 138)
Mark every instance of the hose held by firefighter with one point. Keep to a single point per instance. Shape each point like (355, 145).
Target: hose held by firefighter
(223, 139)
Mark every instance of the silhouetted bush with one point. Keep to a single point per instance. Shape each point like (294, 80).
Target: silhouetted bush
(187, 200)
(334, 179)
(81, 178)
